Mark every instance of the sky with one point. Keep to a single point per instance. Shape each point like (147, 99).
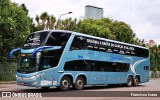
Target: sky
(142, 15)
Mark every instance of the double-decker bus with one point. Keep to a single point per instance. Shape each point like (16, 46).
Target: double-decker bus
(59, 58)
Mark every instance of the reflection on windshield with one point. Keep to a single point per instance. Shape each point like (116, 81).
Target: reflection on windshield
(36, 39)
(50, 58)
(46, 38)
(27, 64)
(58, 39)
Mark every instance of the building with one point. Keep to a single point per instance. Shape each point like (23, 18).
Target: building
(151, 43)
(81, 18)
(93, 12)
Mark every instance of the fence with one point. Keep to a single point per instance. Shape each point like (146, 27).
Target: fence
(8, 71)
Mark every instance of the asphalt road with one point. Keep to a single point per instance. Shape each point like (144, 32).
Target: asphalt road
(150, 90)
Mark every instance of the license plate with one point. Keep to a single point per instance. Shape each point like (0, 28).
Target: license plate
(45, 82)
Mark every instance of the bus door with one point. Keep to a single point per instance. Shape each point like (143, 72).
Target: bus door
(46, 74)
(146, 73)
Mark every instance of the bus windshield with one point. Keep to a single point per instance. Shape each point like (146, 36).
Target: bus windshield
(27, 64)
(44, 60)
(36, 39)
(46, 38)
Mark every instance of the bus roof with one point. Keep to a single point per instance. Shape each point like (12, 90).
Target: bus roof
(82, 34)
(53, 31)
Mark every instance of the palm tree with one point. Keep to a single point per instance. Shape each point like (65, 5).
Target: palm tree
(63, 24)
(37, 20)
(136, 41)
(159, 49)
(73, 24)
(70, 24)
(159, 55)
(44, 17)
(75, 21)
(53, 21)
(48, 22)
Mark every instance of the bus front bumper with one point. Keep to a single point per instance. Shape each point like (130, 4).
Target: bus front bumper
(35, 82)
(27, 81)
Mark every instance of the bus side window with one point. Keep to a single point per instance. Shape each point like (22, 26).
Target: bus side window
(146, 67)
(93, 66)
(78, 43)
(58, 39)
(46, 64)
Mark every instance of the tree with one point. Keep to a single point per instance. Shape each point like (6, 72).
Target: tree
(48, 22)
(37, 20)
(107, 28)
(122, 31)
(24, 8)
(33, 27)
(155, 57)
(53, 21)
(44, 17)
(15, 27)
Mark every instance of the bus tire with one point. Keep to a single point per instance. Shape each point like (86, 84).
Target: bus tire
(129, 81)
(65, 83)
(79, 84)
(136, 81)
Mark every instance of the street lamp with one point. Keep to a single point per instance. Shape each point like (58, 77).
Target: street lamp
(60, 17)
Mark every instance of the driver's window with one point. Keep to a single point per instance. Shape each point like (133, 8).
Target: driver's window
(46, 64)
(50, 58)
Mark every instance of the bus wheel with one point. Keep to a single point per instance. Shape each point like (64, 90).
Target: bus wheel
(136, 81)
(65, 83)
(129, 81)
(79, 85)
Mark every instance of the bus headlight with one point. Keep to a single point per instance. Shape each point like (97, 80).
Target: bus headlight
(19, 78)
(33, 77)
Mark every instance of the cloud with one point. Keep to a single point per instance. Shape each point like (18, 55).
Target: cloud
(142, 15)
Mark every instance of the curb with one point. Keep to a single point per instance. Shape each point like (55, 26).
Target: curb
(14, 82)
(154, 78)
(7, 82)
